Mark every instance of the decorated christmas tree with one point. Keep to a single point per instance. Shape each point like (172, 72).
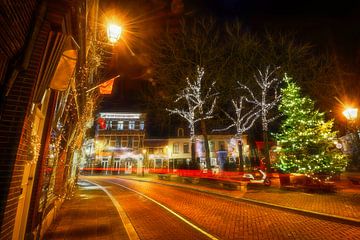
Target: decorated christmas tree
(306, 141)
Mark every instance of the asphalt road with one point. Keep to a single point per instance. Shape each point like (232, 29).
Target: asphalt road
(156, 211)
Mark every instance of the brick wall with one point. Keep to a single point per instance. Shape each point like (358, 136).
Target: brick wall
(16, 118)
(15, 128)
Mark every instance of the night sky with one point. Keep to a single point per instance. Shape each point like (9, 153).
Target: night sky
(333, 27)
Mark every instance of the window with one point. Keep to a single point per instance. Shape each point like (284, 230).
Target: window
(186, 148)
(212, 146)
(130, 142)
(118, 142)
(176, 148)
(124, 141)
(112, 141)
(113, 125)
(221, 145)
(131, 125)
(120, 125)
(180, 132)
(141, 143)
(142, 125)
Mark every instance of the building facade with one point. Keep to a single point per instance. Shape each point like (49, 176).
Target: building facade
(120, 146)
(118, 143)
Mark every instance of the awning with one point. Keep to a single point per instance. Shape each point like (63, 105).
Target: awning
(64, 70)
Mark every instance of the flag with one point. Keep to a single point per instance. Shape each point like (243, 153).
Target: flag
(106, 87)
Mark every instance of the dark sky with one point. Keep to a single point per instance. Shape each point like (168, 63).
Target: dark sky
(328, 25)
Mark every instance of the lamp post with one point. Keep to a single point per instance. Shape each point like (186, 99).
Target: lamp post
(143, 163)
(351, 114)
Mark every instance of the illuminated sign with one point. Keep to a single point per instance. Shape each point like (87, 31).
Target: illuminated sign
(121, 115)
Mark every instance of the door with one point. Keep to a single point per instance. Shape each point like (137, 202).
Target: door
(30, 169)
(105, 165)
(117, 165)
(128, 166)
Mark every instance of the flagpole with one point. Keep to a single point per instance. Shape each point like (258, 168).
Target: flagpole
(93, 88)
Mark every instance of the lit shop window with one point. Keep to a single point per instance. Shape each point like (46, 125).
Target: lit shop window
(120, 125)
(131, 125)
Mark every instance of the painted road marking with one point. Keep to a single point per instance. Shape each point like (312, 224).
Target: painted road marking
(171, 211)
(130, 230)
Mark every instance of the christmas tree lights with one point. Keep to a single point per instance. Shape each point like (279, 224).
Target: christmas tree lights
(306, 140)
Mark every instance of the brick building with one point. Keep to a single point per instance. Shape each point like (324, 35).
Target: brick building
(119, 141)
(45, 47)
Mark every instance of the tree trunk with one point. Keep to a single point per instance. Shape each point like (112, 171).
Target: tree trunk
(206, 144)
(266, 152)
(241, 159)
(193, 149)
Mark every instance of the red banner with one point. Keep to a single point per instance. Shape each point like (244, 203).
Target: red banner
(106, 87)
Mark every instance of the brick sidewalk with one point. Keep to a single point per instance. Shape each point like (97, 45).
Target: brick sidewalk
(343, 204)
(90, 214)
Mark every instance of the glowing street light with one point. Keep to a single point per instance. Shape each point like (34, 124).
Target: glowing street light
(350, 113)
(114, 32)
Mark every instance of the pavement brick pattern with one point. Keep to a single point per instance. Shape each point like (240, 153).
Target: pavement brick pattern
(150, 220)
(230, 219)
(341, 204)
(90, 214)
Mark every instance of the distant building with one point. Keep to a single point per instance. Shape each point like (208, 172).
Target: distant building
(121, 147)
(119, 140)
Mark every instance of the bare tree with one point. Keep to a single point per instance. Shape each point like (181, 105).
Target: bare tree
(242, 122)
(268, 100)
(200, 104)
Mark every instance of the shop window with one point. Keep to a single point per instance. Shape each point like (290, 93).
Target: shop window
(120, 125)
(131, 125)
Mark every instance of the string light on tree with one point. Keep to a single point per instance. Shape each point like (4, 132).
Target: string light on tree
(267, 100)
(199, 104)
(242, 122)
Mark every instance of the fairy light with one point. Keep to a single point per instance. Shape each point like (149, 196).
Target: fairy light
(196, 100)
(267, 83)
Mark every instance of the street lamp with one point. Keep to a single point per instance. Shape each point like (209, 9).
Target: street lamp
(114, 32)
(350, 114)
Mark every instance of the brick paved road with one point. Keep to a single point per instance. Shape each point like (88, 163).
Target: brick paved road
(150, 220)
(340, 204)
(228, 219)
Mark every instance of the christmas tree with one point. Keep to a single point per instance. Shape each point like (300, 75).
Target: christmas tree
(306, 141)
